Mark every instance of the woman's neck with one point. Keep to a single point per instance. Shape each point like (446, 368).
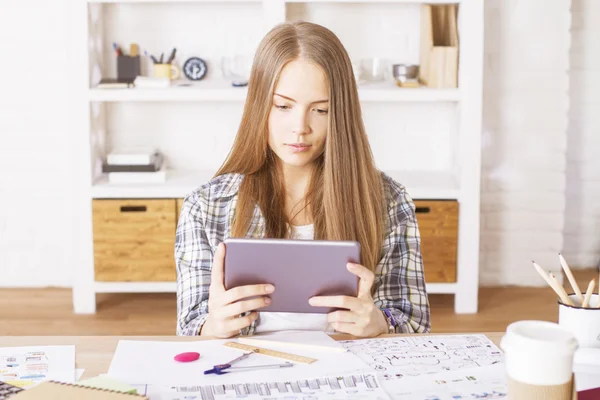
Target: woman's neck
(296, 181)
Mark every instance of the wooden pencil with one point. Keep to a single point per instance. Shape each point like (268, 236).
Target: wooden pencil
(571, 278)
(562, 294)
(588, 293)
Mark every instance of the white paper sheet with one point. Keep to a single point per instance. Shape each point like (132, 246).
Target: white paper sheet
(78, 373)
(348, 387)
(27, 366)
(473, 383)
(409, 356)
(295, 340)
(151, 362)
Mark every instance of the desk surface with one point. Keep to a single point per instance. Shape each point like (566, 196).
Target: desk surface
(94, 353)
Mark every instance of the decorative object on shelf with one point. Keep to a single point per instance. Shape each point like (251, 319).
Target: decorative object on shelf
(195, 68)
(439, 46)
(236, 69)
(405, 75)
(128, 66)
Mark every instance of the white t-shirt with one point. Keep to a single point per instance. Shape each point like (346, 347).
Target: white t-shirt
(278, 321)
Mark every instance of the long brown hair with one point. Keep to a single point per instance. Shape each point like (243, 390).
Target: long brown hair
(345, 196)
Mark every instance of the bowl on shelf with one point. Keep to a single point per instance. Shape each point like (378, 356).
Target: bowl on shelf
(406, 75)
(373, 69)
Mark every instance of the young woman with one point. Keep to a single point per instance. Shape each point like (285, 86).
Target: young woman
(301, 167)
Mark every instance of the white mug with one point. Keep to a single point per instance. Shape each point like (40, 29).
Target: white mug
(584, 323)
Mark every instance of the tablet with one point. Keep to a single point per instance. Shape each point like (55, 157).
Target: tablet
(299, 270)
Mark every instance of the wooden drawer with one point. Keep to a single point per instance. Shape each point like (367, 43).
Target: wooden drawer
(178, 208)
(134, 240)
(438, 225)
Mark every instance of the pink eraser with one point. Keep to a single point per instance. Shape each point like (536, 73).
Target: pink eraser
(187, 357)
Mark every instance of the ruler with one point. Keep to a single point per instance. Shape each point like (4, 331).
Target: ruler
(271, 353)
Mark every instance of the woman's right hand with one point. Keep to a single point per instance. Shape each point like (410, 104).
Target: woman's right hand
(225, 306)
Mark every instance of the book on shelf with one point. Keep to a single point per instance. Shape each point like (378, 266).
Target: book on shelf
(113, 83)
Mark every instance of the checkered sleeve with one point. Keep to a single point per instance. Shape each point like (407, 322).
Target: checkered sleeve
(399, 277)
(193, 258)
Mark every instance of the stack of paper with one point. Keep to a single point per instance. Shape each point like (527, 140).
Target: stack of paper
(28, 366)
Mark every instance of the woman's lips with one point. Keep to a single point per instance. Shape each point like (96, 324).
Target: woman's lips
(299, 147)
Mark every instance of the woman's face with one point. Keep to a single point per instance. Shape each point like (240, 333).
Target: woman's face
(299, 115)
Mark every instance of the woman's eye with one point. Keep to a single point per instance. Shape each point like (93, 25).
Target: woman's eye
(321, 111)
(282, 107)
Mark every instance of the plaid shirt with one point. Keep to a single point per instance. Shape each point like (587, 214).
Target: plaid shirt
(206, 219)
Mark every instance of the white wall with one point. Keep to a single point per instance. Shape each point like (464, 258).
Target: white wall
(582, 218)
(35, 179)
(525, 143)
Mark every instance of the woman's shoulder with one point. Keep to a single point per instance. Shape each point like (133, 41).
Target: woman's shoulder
(220, 187)
(395, 192)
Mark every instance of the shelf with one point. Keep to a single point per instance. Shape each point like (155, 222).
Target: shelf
(222, 91)
(420, 186)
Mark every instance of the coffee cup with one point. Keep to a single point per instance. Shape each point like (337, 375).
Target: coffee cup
(539, 360)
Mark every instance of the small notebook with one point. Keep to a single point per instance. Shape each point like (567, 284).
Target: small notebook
(51, 390)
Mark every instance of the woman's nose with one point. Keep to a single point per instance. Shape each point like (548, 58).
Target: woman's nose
(301, 125)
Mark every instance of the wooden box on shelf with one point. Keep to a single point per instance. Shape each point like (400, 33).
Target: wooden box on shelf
(439, 46)
(438, 225)
(134, 240)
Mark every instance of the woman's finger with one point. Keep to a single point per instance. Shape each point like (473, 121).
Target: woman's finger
(241, 292)
(349, 328)
(235, 324)
(241, 307)
(367, 277)
(342, 316)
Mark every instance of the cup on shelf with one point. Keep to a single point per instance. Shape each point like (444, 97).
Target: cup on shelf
(166, 71)
(539, 360)
(584, 323)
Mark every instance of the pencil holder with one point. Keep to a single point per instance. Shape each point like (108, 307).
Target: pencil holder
(128, 67)
(584, 323)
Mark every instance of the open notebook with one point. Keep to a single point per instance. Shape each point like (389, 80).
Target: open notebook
(52, 390)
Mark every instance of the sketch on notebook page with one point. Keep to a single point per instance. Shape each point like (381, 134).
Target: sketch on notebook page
(398, 357)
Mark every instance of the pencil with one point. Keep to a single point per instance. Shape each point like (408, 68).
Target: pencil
(588, 293)
(560, 290)
(570, 277)
(543, 274)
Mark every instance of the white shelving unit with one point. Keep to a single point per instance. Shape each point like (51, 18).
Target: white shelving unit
(94, 125)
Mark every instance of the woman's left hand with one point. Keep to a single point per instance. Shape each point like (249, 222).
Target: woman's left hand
(362, 318)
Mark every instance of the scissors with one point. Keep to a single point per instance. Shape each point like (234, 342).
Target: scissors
(220, 369)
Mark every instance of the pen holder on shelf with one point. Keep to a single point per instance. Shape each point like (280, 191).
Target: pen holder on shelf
(166, 71)
(128, 67)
